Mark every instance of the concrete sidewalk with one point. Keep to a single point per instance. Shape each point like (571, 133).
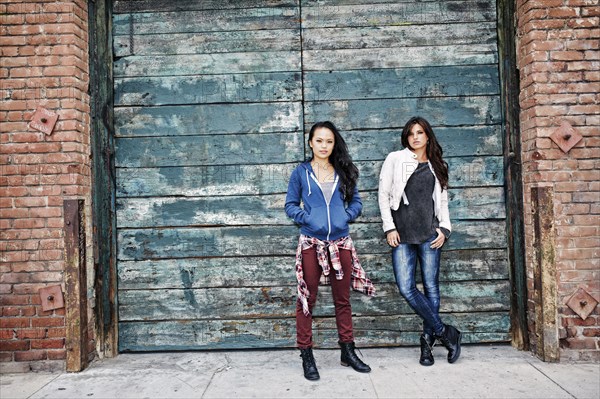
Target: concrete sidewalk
(482, 372)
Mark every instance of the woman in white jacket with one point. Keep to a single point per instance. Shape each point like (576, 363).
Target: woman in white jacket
(413, 201)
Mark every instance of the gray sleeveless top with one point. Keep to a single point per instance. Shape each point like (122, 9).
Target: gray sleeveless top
(327, 186)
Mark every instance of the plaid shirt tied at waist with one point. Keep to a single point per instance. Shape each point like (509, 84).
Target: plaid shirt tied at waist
(359, 279)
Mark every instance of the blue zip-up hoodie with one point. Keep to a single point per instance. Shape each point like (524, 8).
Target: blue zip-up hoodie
(317, 218)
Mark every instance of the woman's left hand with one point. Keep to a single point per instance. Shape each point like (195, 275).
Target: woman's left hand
(439, 240)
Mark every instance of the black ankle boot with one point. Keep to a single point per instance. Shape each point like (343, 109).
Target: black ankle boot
(450, 338)
(349, 358)
(308, 364)
(426, 349)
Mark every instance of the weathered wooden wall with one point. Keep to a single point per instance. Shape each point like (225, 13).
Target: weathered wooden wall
(212, 102)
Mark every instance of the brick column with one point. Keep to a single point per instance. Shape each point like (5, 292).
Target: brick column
(44, 62)
(558, 59)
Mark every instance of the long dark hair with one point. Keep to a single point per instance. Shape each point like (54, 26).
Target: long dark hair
(340, 159)
(434, 150)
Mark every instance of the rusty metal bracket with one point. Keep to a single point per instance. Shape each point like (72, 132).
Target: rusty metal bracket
(565, 137)
(51, 298)
(76, 285)
(582, 303)
(43, 120)
(544, 275)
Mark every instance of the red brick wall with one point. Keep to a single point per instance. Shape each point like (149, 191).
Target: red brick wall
(558, 59)
(44, 49)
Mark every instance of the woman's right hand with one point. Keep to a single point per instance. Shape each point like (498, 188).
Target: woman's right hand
(393, 238)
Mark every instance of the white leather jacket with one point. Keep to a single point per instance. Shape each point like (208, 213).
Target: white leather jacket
(395, 172)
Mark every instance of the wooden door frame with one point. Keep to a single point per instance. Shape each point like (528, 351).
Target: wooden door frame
(509, 94)
(104, 188)
(103, 176)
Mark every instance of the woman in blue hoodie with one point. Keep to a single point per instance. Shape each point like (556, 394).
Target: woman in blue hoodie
(326, 186)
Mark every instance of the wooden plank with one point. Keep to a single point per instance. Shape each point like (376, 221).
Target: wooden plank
(510, 89)
(166, 243)
(466, 234)
(231, 88)
(207, 42)
(545, 291)
(405, 13)
(209, 150)
(464, 172)
(469, 203)
(314, 3)
(429, 81)
(202, 211)
(344, 59)
(75, 301)
(205, 64)
(204, 180)
(383, 113)
(478, 171)
(129, 6)
(457, 265)
(273, 178)
(475, 203)
(276, 302)
(456, 141)
(277, 333)
(102, 174)
(206, 20)
(399, 36)
(208, 119)
(490, 264)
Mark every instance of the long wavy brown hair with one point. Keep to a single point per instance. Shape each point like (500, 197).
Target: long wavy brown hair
(434, 150)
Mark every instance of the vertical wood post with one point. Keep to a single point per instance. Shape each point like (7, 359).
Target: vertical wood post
(515, 230)
(75, 285)
(103, 186)
(544, 275)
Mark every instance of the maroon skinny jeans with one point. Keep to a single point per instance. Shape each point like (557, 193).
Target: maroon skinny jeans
(341, 298)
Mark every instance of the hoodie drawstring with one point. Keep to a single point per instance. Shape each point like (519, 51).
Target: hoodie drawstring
(405, 198)
(307, 181)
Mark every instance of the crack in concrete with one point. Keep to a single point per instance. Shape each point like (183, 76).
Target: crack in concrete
(225, 367)
(550, 378)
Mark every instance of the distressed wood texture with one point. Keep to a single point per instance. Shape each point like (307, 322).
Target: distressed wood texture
(260, 271)
(104, 222)
(273, 178)
(207, 119)
(129, 6)
(240, 148)
(76, 331)
(240, 302)
(273, 333)
(206, 89)
(472, 203)
(187, 242)
(213, 103)
(402, 82)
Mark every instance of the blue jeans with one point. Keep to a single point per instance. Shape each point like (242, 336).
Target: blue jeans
(427, 304)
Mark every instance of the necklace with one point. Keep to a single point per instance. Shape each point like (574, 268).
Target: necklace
(323, 172)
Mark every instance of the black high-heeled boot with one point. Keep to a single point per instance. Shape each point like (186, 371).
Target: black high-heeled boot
(349, 358)
(427, 342)
(309, 365)
(450, 338)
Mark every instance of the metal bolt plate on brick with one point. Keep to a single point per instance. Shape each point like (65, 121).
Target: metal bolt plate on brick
(43, 120)
(52, 298)
(565, 137)
(582, 303)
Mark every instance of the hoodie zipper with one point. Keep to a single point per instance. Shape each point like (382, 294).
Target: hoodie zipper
(335, 181)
